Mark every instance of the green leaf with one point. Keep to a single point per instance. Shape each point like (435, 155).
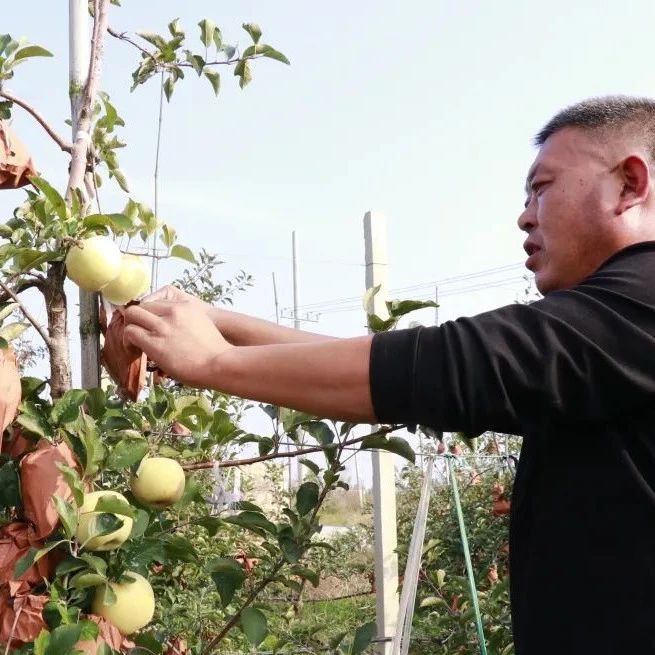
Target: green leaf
(207, 29)
(126, 453)
(67, 408)
(7, 310)
(155, 39)
(103, 524)
(265, 51)
(320, 431)
(5, 40)
(252, 521)
(254, 30)
(108, 595)
(307, 574)
(307, 497)
(94, 562)
(287, 541)
(246, 505)
(243, 71)
(175, 29)
(179, 549)
(396, 445)
(32, 387)
(196, 61)
(63, 638)
(53, 196)
(114, 505)
(13, 330)
(35, 424)
(210, 523)
(90, 631)
(119, 223)
(228, 576)
(41, 642)
(214, 79)
(31, 51)
(312, 466)
(84, 580)
(67, 514)
(363, 637)
(73, 480)
(168, 235)
(399, 308)
(9, 485)
(169, 86)
(33, 556)
(254, 625)
(377, 324)
(182, 252)
(140, 524)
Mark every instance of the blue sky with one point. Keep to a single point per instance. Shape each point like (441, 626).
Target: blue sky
(422, 110)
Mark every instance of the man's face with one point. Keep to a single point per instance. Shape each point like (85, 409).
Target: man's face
(571, 192)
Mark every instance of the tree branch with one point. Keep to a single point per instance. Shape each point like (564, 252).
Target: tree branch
(198, 466)
(66, 147)
(82, 139)
(37, 326)
(21, 286)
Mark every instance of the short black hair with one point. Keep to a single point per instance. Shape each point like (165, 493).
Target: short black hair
(607, 114)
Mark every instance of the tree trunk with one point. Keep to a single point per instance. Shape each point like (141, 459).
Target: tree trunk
(60, 369)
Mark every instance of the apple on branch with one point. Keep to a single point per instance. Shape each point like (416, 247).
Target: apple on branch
(134, 604)
(94, 262)
(158, 482)
(88, 526)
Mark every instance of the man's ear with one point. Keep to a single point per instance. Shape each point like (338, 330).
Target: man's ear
(635, 176)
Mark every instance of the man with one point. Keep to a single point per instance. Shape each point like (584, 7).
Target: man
(574, 373)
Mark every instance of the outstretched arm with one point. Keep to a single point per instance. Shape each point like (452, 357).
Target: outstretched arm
(239, 329)
(322, 376)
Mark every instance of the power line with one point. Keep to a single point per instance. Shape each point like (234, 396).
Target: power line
(423, 285)
(509, 281)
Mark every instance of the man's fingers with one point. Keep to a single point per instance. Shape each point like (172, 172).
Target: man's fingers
(142, 316)
(135, 335)
(169, 292)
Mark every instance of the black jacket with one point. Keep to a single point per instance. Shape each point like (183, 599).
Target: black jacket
(574, 374)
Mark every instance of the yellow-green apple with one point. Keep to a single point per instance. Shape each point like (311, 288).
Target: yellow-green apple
(94, 262)
(132, 281)
(86, 524)
(134, 606)
(159, 481)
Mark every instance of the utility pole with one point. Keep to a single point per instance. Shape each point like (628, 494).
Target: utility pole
(384, 480)
(296, 325)
(78, 69)
(289, 446)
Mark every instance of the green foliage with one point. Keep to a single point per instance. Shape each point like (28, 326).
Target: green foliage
(169, 56)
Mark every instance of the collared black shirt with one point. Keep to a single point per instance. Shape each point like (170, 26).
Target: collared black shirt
(574, 374)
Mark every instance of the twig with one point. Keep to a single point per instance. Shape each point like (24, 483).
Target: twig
(37, 326)
(122, 36)
(66, 147)
(280, 564)
(13, 630)
(37, 282)
(294, 453)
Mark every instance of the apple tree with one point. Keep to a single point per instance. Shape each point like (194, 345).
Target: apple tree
(105, 521)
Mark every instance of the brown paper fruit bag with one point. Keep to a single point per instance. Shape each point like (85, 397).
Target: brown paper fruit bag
(20, 618)
(40, 480)
(16, 166)
(16, 539)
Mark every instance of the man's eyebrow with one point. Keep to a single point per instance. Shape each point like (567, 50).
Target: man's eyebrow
(537, 168)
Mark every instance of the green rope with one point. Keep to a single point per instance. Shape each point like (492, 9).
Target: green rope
(467, 557)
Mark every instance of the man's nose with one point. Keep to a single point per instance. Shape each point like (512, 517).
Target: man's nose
(527, 219)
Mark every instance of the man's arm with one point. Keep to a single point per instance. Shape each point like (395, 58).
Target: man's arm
(326, 377)
(238, 329)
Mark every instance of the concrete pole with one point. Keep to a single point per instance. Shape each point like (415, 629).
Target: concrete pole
(79, 45)
(384, 482)
(296, 325)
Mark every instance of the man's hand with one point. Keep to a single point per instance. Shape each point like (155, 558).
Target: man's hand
(178, 335)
